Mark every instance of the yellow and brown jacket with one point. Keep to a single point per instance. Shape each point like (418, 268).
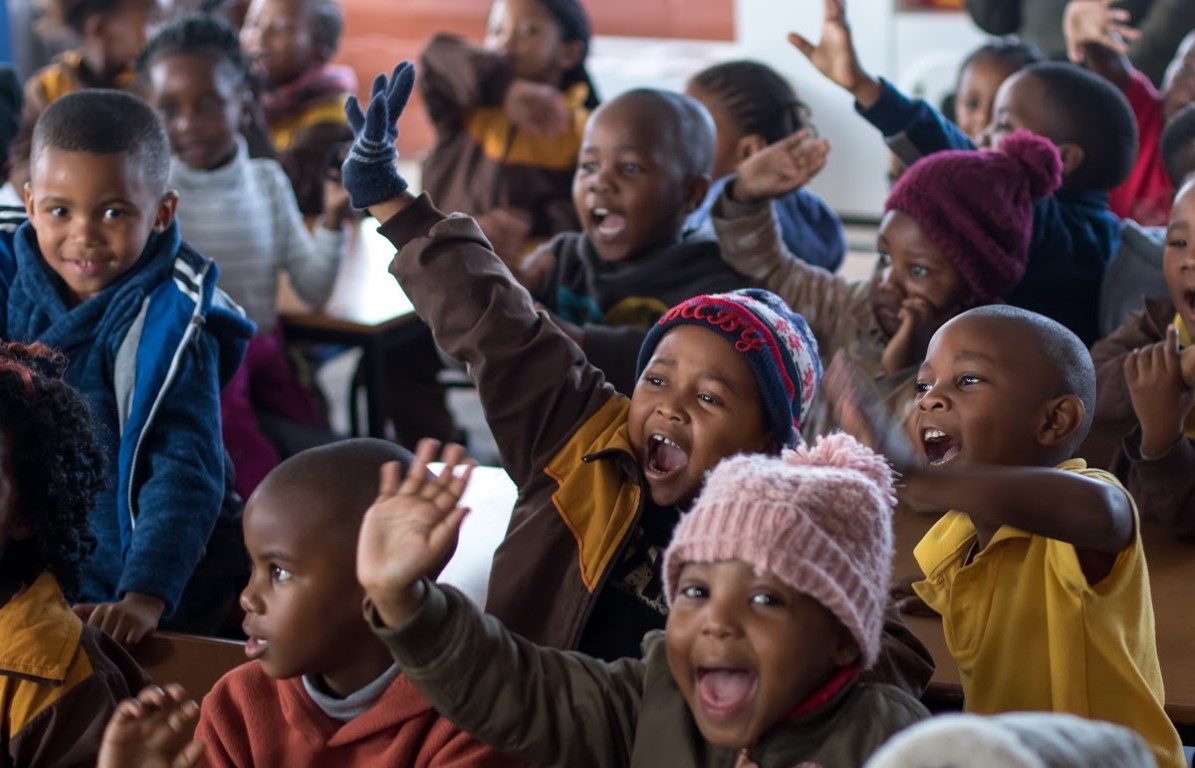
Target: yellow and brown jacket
(60, 682)
(561, 430)
(481, 161)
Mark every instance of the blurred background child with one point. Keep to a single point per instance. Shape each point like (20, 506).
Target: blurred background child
(753, 106)
(60, 681)
(980, 76)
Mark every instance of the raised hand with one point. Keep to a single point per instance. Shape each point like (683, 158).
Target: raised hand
(859, 413)
(152, 731)
(411, 530)
(368, 173)
(536, 108)
(1161, 398)
(834, 55)
(1096, 22)
(780, 168)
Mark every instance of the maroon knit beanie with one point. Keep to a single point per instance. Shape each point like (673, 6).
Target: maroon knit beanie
(977, 207)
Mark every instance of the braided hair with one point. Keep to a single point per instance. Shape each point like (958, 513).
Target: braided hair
(756, 97)
(57, 465)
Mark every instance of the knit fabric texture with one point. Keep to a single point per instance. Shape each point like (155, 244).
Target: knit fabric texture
(818, 519)
(775, 341)
(977, 207)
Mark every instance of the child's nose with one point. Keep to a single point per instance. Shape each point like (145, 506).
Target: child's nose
(249, 601)
(719, 619)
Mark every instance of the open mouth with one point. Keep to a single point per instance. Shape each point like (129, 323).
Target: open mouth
(606, 223)
(724, 693)
(940, 448)
(665, 458)
(256, 647)
(1189, 301)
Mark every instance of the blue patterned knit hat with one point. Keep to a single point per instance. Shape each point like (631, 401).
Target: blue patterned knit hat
(775, 341)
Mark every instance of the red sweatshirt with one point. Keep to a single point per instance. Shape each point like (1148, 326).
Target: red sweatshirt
(250, 719)
(1146, 194)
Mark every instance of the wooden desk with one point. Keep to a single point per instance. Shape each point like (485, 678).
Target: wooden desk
(367, 310)
(1172, 576)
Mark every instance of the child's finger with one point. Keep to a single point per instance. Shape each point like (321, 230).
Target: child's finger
(352, 111)
(190, 756)
(835, 10)
(459, 481)
(801, 44)
(417, 473)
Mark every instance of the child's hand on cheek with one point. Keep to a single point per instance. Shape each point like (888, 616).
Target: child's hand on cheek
(780, 168)
(126, 621)
(834, 55)
(411, 530)
(857, 410)
(152, 731)
(917, 325)
(536, 108)
(1161, 398)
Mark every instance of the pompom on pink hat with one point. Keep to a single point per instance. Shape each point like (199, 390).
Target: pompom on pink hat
(818, 519)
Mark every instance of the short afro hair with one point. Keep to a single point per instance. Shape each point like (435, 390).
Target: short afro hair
(57, 464)
(1091, 113)
(1066, 353)
(105, 122)
(682, 120)
(201, 34)
(1178, 146)
(327, 23)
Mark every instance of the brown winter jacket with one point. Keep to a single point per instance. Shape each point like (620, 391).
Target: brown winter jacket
(60, 681)
(481, 161)
(553, 708)
(838, 310)
(562, 434)
(1164, 487)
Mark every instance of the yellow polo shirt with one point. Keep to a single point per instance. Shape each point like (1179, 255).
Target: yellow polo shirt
(1029, 633)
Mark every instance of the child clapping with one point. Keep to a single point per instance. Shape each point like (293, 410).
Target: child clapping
(777, 582)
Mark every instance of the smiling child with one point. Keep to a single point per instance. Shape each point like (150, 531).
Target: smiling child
(602, 478)
(777, 580)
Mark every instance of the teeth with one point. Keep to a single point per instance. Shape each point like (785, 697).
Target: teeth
(933, 434)
(664, 440)
(601, 213)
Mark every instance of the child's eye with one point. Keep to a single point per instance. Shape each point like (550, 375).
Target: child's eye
(693, 592)
(709, 399)
(1177, 242)
(58, 211)
(885, 260)
(113, 213)
(765, 598)
(631, 169)
(588, 166)
(918, 271)
(527, 30)
(922, 387)
(968, 380)
(279, 574)
(654, 380)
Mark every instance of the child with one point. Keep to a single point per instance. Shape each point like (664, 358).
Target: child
(197, 79)
(644, 167)
(602, 478)
(291, 44)
(753, 107)
(111, 33)
(1095, 35)
(1039, 574)
(1146, 377)
(1074, 233)
(101, 273)
(320, 689)
(942, 251)
(979, 79)
(508, 119)
(776, 580)
(59, 680)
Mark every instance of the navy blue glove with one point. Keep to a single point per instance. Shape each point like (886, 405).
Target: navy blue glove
(368, 173)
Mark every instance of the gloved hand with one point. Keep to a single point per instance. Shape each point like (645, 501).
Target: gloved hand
(368, 173)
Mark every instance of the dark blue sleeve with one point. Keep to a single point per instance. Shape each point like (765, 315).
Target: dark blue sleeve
(912, 128)
(811, 229)
(8, 273)
(182, 488)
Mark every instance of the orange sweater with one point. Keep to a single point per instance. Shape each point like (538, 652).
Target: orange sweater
(250, 719)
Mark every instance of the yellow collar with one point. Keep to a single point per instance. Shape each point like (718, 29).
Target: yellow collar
(40, 633)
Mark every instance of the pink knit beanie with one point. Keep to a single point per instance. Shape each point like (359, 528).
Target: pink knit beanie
(819, 519)
(977, 207)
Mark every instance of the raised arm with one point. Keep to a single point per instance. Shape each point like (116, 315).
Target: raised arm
(311, 259)
(551, 708)
(458, 76)
(535, 384)
(1096, 35)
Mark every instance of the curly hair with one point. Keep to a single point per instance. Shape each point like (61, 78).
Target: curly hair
(57, 465)
(196, 34)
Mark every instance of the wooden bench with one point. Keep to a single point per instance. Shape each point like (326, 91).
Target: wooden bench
(194, 662)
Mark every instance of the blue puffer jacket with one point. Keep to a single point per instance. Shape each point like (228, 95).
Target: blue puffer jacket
(1074, 231)
(151, 352)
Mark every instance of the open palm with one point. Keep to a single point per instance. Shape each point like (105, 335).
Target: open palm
(412, 528)
(834, 54)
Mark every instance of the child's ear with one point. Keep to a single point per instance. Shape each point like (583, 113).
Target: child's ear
(1064, 417)
(167, 207)
(1072, 158)
(27, 193)
(748, 146)
(696, 188)
(846, 650)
